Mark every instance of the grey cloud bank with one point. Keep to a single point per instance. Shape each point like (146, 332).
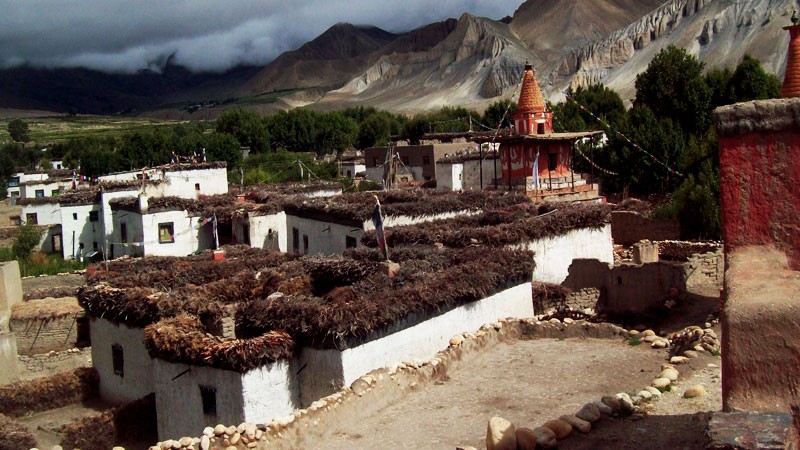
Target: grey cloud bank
(203, 35)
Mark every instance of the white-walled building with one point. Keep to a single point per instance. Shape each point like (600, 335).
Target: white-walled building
(467, 172)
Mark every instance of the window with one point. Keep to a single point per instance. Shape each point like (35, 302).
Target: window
(459, 177)
(94, 216)
(13, 182)
(166, 233)
(426, 160)
(123, 232)
(295, 240)
(539, 128)
(80, 246)
(40, 192)
(197, 187)
(118, 360)
(208, 395)
(74, 216)
(350, 242)
(54, 192)
(32, 219)
(305, 244)
(552, 161)
(94, 245)
(349, 174)
(375, 162)
(56, 240)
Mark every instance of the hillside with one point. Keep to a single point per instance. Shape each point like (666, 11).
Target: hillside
(470, 61)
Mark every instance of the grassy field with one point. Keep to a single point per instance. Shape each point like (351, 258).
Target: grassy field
(60, 128)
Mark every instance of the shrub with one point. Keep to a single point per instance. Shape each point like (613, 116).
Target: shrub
(55, 391)
(15, 436)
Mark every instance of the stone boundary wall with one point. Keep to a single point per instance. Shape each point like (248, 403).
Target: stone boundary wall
(684, 250)
(43, 335)
(629, 227)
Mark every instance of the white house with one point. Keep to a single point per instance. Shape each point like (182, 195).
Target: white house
(178, 180)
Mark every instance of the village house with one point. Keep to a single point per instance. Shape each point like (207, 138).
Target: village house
(80, 223)
(416, 161)
(179, 328)
(332, 225)
(38, 184)
(467, 171)
(352, 166)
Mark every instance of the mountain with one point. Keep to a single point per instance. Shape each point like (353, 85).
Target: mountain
(470, 61)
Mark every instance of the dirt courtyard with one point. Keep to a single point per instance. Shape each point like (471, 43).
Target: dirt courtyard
(525, 381)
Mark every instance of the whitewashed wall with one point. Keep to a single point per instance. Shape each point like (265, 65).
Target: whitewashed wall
(420, 341)
(137, 379)
(554, 255)
(257, 396)
(76, 228)
(447, 176)
(106, 215)
(29, 190)
(325, 238)
(260, 227)
(188, 238)
(396, 221)
(182, 183)
(353, 168)
(46, 213)
(133, 222)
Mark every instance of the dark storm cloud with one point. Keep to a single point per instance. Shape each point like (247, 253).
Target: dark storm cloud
(125, 36)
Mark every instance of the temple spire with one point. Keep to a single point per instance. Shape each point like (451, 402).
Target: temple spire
(791, 78)
(530, 97)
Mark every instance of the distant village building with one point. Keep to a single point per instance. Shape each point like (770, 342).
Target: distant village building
(468, 171)
(38, 184)
(538, 160)
(352, 167)
(417, 161)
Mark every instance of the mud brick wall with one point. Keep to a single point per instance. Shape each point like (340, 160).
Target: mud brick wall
(628, 227)
(583, 298)
(759, 154)
(706, 269)
(44, 335)
(683, 250)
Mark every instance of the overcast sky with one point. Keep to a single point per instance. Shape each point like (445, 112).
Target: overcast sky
(125, 36)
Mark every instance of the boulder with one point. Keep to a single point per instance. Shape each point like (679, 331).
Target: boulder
(560, 427)
(678, 360)
(694, 391)
(500, 435)
(654, 391)
(589, 413)
(604, 409)
(545, 438)
(578, 424)
(661, 383)
(526, 439)
(625, 402)
(613, 403)
(670, 374)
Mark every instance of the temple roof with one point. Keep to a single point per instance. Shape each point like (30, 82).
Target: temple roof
(530, 97)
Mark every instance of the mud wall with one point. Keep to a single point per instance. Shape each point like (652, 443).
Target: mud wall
(629, 227)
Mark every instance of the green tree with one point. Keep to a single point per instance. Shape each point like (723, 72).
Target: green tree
(294, 130)
(222, 147)
(673, 87)
(719, 82)
(335, 131)
(751, 82)
(600, 100)
(26, 240)
(248, 127)
(499, 113)
(19, 131)
(376, 130)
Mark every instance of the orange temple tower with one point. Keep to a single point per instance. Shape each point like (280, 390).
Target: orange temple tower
(791, 78)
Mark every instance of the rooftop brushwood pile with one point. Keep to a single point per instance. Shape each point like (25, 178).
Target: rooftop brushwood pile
(355, 208)
(499, 227)
(72, 198)
(277, 300)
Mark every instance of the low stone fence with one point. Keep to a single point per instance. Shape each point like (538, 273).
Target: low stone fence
(628, 227)
(25, 397)
(682, 251)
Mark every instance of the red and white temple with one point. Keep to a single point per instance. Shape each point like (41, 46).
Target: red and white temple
(535, 158)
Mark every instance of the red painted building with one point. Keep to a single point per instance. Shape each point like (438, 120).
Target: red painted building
(535, 158)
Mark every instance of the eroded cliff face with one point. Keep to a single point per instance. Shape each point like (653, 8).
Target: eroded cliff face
(474, 61)
(718, 32)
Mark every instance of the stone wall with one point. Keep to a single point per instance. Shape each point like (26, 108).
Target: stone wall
(628, 227)
(706, 269)
(43, 335)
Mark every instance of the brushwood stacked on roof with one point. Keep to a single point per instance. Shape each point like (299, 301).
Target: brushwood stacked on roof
(278, 300)
(499, 227)
(357, 207)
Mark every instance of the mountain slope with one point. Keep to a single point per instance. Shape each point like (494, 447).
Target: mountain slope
(551, 26)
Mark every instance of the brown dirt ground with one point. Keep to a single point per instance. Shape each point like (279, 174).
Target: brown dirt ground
(528, 382)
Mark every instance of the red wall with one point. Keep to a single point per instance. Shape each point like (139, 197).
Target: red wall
(523, 154)
(760, 183)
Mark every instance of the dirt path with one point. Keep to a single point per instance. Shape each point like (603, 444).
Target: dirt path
(527, 382)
